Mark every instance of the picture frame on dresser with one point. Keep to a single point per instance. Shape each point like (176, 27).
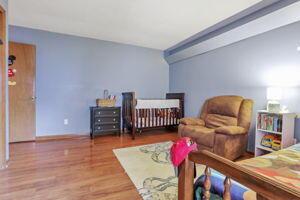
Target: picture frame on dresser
(105, 120)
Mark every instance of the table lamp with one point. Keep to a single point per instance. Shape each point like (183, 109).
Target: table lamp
(274, 95)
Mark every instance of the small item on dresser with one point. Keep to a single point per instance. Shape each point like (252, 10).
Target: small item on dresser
(106, 102)
(105, 94)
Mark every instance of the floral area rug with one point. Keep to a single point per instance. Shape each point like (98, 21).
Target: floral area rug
(150, 169)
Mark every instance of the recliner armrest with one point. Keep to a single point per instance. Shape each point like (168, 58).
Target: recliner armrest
(231, 130)
(192, 121)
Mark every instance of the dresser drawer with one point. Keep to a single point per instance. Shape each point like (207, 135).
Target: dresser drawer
(107, 127)
(108, 112)
(107, 120)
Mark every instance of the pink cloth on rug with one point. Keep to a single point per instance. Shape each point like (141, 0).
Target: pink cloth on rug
(181, 149)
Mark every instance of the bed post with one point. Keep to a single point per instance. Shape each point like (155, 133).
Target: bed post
(133, 104)
(186, 180)
(128, 112)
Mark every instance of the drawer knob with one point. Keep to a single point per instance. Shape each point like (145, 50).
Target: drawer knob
(99, 128)
(99, 113)
(114, 126)
(114, 120)
(99, 120)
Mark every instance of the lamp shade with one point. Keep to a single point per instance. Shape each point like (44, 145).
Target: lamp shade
(274, 93)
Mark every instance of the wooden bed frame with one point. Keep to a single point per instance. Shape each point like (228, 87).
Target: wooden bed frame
(264, 187)
(130, 113)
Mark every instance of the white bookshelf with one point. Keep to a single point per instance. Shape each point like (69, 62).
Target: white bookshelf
(287, 132)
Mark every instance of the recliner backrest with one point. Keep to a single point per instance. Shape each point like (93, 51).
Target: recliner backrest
(227, 111)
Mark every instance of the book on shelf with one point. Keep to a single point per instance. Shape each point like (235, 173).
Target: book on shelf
(269, 122)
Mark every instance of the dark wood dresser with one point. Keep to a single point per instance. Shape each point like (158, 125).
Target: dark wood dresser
(105, 120)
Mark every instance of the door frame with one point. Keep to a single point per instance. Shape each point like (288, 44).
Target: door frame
(3, 102)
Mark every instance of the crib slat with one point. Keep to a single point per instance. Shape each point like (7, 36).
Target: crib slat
(144, 118)
(227, 186)
(163, 116)
(168, 117)
(175, 116)
(141, 118)
(178, 115)
(207, 184)
(149, 118)
(172, 118)
(136, 118)
(156, 115)
(152, 113)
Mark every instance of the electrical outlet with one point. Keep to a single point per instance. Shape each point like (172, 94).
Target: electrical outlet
(66, 121)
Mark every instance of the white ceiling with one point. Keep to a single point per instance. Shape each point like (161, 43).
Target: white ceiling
(156, 24)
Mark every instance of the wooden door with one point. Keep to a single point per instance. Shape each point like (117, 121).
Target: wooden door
(22, 93)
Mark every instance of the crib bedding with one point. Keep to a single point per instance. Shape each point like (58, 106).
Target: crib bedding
(157, 103)
(281, 166)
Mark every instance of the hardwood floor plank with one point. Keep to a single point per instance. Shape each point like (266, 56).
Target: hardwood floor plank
(72, 169)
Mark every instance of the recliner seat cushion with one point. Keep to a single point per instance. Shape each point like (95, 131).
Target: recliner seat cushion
(192, 121)
(215, 121)
(200, 134)
(231, 130)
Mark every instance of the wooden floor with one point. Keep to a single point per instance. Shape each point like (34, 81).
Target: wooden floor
(71, 169)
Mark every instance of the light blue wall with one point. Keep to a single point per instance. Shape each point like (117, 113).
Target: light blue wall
(73, 71)
(245, 68)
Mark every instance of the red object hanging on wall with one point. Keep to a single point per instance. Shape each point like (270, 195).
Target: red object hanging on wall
(11, 72)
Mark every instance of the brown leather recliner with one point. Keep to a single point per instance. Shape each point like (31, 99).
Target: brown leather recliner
(222, 127)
